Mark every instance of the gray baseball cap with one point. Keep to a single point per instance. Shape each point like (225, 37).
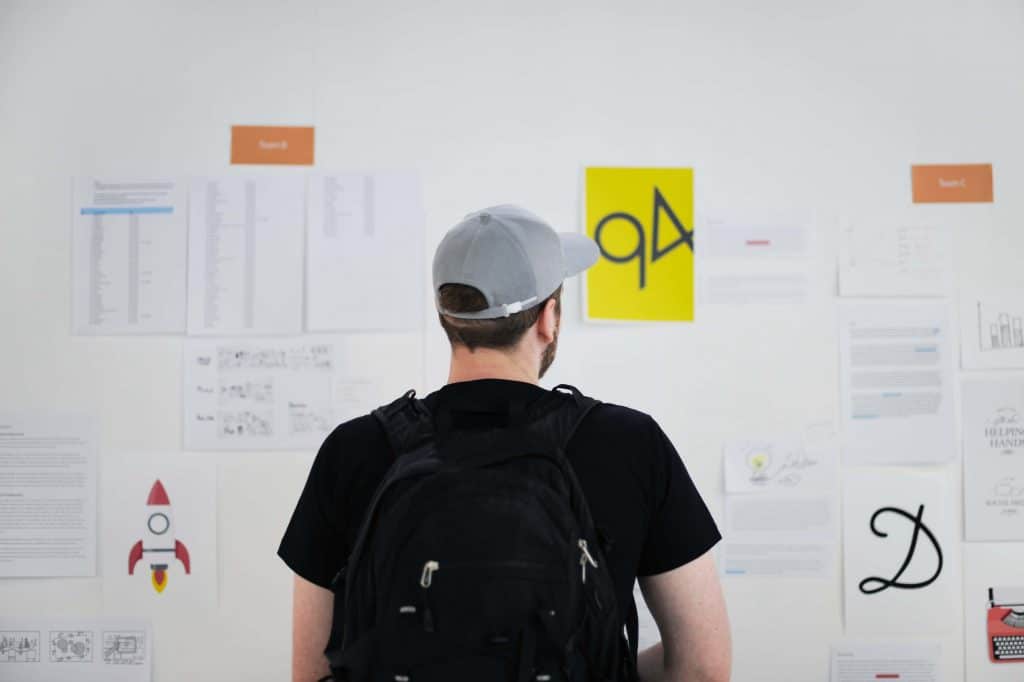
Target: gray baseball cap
(513, 257)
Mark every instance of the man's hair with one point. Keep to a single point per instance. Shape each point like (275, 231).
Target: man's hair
(501, 333)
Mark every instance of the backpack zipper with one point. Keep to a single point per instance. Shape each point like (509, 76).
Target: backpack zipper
(428, 574)
(585, 558)
(426, 579)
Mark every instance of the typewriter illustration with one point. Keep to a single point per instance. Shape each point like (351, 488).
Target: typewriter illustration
(1006, 624)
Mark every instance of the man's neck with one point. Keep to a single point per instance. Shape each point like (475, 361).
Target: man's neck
(486, 363)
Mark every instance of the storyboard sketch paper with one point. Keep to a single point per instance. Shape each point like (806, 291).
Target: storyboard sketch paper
(993, 588)
(159, 533)
(365, 252)
(287, 394)
(47, 495)
(129, 248)
(898, 544)
(874, 661)
(993, 432)
(745, 261)
(897, 388)
(992, 329)
(34, 649)
(246, 253)
(895, 259)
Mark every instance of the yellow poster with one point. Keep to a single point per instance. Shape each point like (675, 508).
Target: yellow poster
(642, 220)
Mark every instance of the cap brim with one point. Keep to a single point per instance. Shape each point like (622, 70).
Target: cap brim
(579, 252)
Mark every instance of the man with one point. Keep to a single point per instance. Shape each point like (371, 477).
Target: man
(497, 279)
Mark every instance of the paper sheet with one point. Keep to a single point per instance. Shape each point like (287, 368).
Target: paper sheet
(900, 552)
(897, 387)
(35, 649)
(753, 261)
(159, 523)
(47, 495)
(781, 516)
(992, 329)
(129, 247)
(267, 394)
(365, 252)
(245, 248)
(889, 258)
(993, 423)
(871, 662)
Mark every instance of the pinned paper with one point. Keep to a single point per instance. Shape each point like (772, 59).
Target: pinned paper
(642, 221)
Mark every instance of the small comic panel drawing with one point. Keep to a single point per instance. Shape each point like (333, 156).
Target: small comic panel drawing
(234, 424)
(19, 646)
(71, 646)
(124, 648)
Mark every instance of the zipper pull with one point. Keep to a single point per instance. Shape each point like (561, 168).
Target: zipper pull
(585, 558)
(428, 573)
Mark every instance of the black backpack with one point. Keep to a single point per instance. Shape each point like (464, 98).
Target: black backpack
(478, 559)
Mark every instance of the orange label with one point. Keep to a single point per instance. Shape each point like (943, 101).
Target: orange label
(290, 145)
(966, 183)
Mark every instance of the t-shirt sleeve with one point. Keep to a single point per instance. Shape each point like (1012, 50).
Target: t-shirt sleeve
(681, 528)
(313, 543)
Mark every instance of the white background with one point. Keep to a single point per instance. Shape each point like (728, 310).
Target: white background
(792, 105)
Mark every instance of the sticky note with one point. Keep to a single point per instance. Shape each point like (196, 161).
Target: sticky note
(963, 183)
(272, 145)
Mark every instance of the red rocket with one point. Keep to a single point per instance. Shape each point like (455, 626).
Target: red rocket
(159, 543)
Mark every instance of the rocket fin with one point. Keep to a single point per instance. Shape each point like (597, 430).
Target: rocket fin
(133, 557)
(181, 554)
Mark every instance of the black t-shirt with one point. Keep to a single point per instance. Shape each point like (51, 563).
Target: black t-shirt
(638, 490)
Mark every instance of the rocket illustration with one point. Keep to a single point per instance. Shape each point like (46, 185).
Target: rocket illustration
(158, 545)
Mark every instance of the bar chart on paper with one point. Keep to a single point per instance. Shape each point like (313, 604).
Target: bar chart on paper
(992, 330)
(999, 329)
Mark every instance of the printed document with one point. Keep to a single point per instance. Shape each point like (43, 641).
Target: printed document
(364, 253)
(35, 649)
(129, 247)
(245, 249)
(780, 508)
(871, 662)
(897, 387)
(993, 422)
(47, 495)
(754, 261)
(886, 259)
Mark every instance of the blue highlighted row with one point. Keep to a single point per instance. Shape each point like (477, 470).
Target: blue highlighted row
(138, 210)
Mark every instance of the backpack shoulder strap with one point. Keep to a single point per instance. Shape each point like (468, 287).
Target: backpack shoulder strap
(407, 423)
(557, 418)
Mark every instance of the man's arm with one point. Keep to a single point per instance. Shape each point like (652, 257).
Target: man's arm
(312, 612)
(688, 606)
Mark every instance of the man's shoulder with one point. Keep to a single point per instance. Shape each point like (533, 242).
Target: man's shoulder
(616, 425)
(350, 445)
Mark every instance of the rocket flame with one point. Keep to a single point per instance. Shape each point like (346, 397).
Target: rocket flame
(159, 579)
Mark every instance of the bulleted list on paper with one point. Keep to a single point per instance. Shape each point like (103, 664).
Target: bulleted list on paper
(47, 495)
(246, 239)
(129, 251)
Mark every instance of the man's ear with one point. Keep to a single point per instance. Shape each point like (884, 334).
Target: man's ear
(547, 322)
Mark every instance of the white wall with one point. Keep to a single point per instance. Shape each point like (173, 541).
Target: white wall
(788, 105)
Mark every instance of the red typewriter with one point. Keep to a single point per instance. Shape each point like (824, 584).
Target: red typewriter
(1006, 624)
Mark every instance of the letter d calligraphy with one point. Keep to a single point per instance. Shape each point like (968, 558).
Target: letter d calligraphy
(874, 585)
